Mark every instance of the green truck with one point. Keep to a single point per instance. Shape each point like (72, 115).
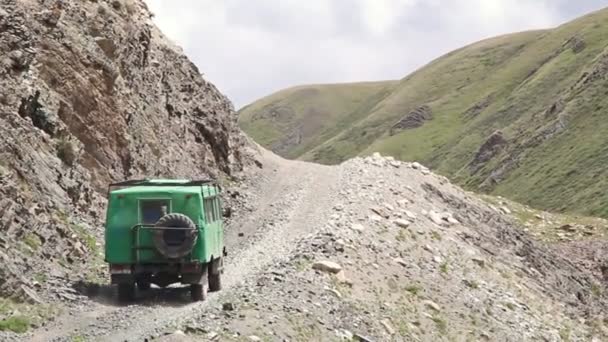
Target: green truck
(163, 232)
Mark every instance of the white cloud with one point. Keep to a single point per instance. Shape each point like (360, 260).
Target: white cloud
(380, 15)
(251, 48)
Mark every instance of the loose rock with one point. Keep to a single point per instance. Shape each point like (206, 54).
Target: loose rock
(327, 266)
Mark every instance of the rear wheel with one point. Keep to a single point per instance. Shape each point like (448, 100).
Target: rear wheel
(198, 292)
(215, 275)
(143, 285)
(126, 292)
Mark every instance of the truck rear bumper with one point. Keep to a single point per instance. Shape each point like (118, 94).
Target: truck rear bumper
(159, 274)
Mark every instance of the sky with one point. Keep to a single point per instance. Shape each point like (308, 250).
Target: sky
(252, 48)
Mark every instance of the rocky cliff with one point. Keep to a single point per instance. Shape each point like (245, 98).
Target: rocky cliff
(92, 92)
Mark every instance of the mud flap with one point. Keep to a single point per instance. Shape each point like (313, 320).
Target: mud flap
(195, 278)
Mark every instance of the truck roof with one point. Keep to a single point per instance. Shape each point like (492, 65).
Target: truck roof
(208, 188)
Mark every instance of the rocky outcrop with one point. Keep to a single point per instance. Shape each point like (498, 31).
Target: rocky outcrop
(92, 92)
(413, 119)
(576, 43)
(488, 150)
(478, 108)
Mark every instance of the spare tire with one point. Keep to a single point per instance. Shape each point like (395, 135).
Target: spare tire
(177, 242)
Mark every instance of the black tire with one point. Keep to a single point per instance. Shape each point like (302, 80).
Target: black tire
(215, 275)
(143, 285)
(198, 292)
(175, 243)
(126, 293)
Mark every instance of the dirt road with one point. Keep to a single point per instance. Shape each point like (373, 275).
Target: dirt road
(292, 197)
(421, 260)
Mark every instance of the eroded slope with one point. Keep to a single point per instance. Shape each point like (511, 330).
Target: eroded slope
(91, 93)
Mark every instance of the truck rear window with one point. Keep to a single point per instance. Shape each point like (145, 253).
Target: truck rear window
(153, 210)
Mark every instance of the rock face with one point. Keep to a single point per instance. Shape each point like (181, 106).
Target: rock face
(413, 119)
(490, 148)
(92, 92)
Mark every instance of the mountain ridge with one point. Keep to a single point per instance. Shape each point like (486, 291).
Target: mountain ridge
(531, 88)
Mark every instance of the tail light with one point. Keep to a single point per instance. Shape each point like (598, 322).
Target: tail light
(120, 269)
(191, 268)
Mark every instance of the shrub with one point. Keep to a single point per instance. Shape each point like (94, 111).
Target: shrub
(66, 151)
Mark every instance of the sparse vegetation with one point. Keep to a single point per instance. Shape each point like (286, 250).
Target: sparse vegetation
(302, 264)
(305, 331)
(32, 240)
(66, 151)
(19, 317)
(88, 239)
(441, 324)
(402, 235)
(413, 289)
(565, 333)
(471, 283)
(443, 267)
(40, 277)
(18, 324)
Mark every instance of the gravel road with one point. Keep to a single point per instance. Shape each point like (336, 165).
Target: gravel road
(374, 248)
(293, 197)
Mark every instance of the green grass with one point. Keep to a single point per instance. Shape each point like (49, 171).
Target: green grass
(302, 264)
(40, 277)
(565, 334)
(18, 324)
(443, 267)
(440, 324)
(32, 240)
(413, 289)
(547, 227)
(513, 79)
(88, 239)
(401, 236)
(317, 112)
(20, 317)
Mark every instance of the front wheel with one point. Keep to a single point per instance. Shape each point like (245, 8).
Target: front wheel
(198, 292)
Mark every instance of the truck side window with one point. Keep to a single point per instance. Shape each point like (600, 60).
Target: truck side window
(208, 204)
(215, 216)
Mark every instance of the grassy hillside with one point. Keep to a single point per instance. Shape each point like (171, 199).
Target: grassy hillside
(296, 120)
(540, 95)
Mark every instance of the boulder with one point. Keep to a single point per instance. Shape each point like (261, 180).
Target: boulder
(327, 266)
(430, 304)
(402, 223)
(386, 323)
(357, 227)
